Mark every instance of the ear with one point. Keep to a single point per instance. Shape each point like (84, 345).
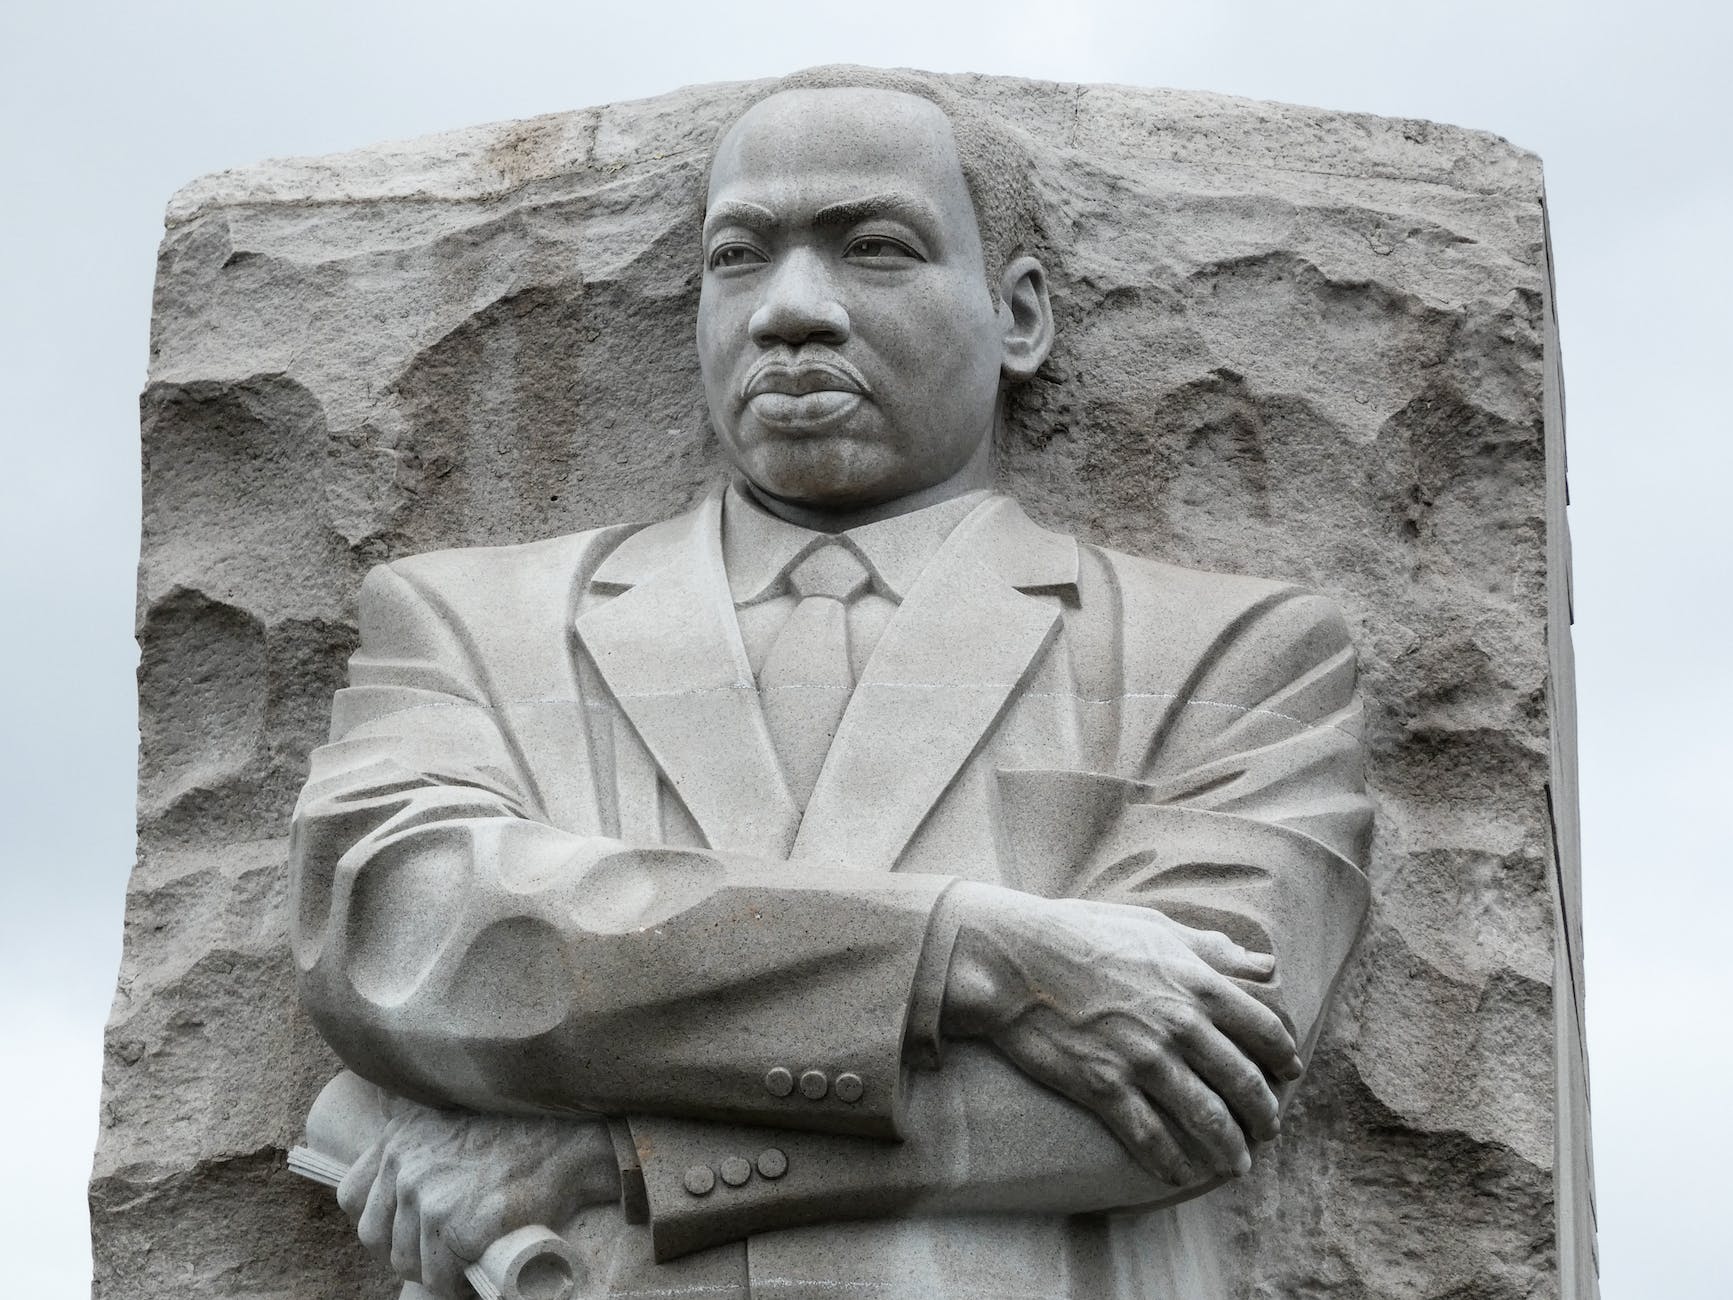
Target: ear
(1026, 317)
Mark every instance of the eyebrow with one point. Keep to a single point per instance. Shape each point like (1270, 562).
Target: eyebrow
(848, 212)
(905, 206)
(737, 212)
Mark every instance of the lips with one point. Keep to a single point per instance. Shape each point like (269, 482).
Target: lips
(803, 380)
(804, 396)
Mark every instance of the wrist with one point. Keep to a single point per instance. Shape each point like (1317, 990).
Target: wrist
(587, 1163)
(977, 984)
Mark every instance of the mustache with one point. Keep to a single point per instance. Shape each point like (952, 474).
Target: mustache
(781, 372)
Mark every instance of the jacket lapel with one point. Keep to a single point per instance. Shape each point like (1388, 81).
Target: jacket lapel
(963, 640)
(668, 647)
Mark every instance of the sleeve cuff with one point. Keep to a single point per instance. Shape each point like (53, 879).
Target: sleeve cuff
(634, 1196)
(922, 1046)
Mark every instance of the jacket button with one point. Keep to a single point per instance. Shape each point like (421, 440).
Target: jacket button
(849, 1087)
(699, 1180)
(772, 1163)
(814, 1084)
(779, 1082)
(736, 1171)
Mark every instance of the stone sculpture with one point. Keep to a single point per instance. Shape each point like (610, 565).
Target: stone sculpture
(1288, 341)
(848, 887)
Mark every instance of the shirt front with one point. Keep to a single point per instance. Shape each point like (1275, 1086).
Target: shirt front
(759, 549)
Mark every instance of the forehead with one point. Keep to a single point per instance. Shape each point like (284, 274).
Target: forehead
(805, 147)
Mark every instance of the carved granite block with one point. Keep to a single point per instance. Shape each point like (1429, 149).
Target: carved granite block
(1310, 346)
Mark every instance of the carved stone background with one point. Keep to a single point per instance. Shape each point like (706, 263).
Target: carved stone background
(1296, 343)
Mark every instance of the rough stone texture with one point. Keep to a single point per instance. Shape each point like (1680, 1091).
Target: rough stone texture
(1294, 343)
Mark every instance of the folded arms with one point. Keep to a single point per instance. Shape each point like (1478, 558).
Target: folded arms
(458, 949)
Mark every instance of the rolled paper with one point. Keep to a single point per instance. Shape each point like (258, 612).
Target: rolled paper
(533, 1263)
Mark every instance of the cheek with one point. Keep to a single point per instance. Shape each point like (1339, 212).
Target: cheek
(719, 340)
(950, 333)
(706, 333)
(722, 315)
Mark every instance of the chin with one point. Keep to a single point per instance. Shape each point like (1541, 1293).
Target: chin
(824, 470)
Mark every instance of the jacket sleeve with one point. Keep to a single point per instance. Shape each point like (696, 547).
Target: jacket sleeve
(1241, 807)
(981, 1137)
(455, 947)
(1246, 811)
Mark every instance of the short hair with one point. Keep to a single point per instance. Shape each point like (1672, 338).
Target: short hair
(997, 167)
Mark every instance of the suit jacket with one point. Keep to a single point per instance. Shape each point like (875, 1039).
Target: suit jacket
(547, 862)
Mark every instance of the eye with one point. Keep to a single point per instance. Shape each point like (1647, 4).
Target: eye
(731, 255)
(880, 248)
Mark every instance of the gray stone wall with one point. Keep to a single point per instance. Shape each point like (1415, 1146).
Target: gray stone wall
(1294, 343)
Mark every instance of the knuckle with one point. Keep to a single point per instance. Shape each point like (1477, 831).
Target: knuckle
(1192, 1118)
(1249, 1087)
(463, 1240)
(1163, 1034)
(1138, 1130)
(1160, 1077)
(1100, 1079)
(1220, 1121)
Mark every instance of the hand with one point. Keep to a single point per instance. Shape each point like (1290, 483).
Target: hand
(439, 1187)
(1130, 1014)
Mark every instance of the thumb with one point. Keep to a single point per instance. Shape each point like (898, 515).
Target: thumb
(358, 1182)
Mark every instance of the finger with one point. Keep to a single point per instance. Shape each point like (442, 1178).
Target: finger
(1253, 1027)
(375, 1225)
(1145, 1134)
(406, 1239)
(481, 1221)
(1227, 957)
(1198, 1113)
(441, 1269)
(1150, 1138)
(1236, 1079)
(358, 1182)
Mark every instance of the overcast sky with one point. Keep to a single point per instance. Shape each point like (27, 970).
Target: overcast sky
(108, 108)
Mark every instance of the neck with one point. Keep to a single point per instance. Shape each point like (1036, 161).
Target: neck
(975, 475)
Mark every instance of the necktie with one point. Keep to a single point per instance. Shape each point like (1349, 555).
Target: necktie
(807, 678)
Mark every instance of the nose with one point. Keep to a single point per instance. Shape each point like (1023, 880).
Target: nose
(799, 305)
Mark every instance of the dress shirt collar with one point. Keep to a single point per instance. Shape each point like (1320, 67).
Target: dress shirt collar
(758, 548)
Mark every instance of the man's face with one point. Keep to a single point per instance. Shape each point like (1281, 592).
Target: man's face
(850, 346)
